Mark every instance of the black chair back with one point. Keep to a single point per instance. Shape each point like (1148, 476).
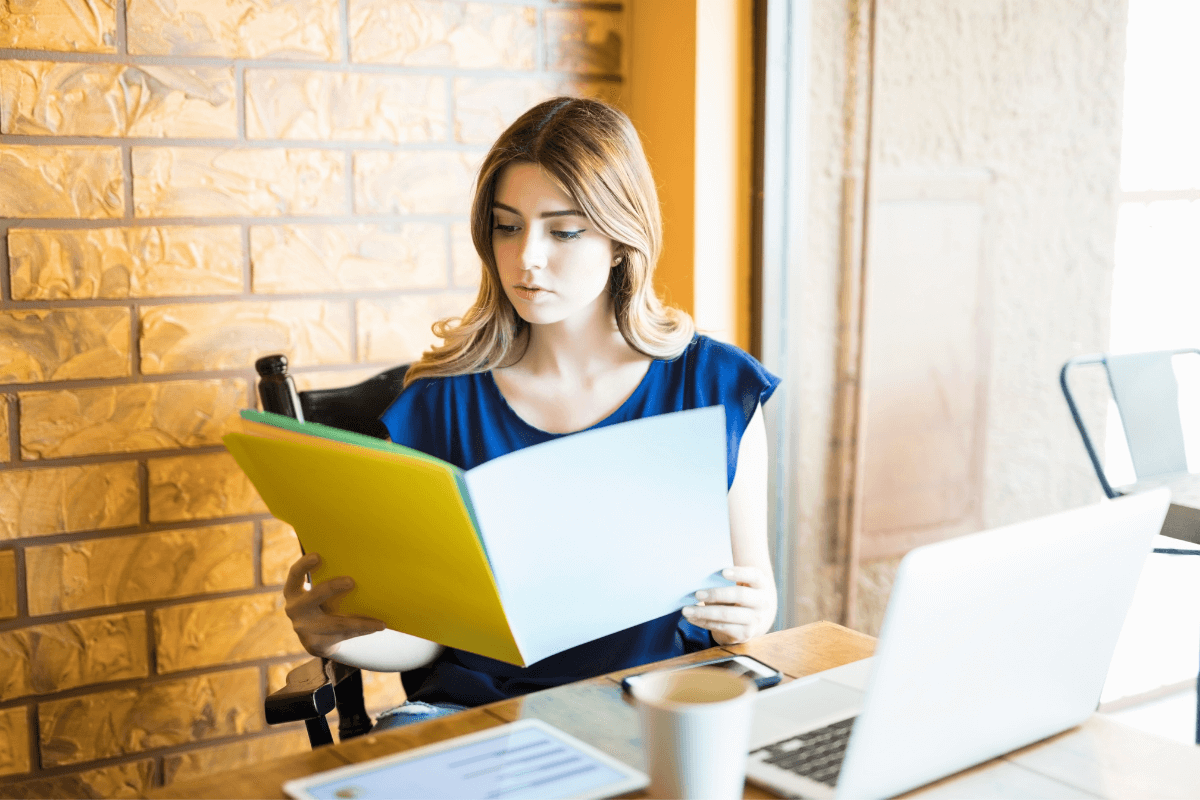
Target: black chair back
(352, 408)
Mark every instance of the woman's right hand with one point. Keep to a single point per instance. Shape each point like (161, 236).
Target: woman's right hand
(321, 632)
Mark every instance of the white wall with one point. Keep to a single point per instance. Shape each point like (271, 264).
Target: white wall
(1023, 97)
(1029, 92)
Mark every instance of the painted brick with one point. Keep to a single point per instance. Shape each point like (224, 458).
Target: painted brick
(8, 584)
(134, 779)
(40, 181)
(333, 379)
(14, 741)
(122, 419)
(329, 258)
(248, 752)
(225, 631)
(485, 106)
(64, 344)
(181, 338)
(440, 33)
(200, 487)
(125, 262)
(311, 104)
(64, 655)
(414, 182)
(280, 549)
(133, 569)
(5, 445)
(299, 29)
(39, 502)
(149, 716)
(584, 40)
(222, 182)
(59, 25)
(40, 98)
(465, 260)
(396, 331)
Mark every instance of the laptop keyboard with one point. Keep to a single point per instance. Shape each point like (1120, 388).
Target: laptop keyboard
(816, 754)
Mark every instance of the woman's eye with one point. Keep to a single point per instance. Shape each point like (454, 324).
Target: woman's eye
(566, 236)
(506, 229)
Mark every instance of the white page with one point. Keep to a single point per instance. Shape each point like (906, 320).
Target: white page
(527, 759)
(602, 530)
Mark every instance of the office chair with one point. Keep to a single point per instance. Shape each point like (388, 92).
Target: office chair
(1146, 393)
(318, 686)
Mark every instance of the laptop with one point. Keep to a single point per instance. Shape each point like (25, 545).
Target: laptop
(990, 641)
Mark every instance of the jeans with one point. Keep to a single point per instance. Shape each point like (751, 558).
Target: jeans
(412, 712)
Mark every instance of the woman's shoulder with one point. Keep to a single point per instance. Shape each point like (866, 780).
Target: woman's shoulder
(442, 388)
(433, 396)
(718, 371)
(706, 347)
(423, 415)
(705, 356)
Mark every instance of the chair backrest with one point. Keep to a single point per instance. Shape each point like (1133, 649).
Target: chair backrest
(1146, 394)
(352, 408)
(1147, 397)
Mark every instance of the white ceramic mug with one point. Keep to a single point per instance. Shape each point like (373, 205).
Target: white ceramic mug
(696, 731)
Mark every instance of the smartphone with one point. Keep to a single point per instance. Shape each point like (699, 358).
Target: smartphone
(762, 674)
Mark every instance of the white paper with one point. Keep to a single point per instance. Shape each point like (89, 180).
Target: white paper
(527, 759)
(602, 530)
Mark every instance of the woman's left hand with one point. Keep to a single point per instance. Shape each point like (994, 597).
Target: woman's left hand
(735, 614)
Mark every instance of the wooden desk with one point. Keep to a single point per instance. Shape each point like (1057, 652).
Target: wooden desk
(1098, 759)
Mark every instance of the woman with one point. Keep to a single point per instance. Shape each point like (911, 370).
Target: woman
(567, 334)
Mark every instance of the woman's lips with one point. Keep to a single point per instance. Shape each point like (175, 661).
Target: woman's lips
(530, 292)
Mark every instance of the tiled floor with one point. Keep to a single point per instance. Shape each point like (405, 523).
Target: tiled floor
(1173, 716)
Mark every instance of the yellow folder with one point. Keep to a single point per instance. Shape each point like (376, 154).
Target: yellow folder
(396, 520)
(523, 556)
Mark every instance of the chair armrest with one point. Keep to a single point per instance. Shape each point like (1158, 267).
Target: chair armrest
(311, 691)
(307, 694)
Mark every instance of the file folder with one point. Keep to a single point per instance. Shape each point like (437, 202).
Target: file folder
(524, 556)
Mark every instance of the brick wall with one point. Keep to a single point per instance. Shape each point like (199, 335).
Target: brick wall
(185, 186)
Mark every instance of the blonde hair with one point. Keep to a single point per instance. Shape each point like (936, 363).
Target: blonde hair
(593, 152)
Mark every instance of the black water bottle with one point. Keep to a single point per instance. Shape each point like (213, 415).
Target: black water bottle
(276, 388)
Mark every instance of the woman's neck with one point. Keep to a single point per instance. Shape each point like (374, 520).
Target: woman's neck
(573, 373)
(587, 344)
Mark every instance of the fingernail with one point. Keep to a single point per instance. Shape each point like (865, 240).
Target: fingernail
(688, 611)
(701, 595)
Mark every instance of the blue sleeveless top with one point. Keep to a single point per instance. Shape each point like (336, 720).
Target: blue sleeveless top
(465, 420)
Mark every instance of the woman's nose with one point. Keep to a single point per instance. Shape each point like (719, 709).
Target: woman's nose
(533, 254)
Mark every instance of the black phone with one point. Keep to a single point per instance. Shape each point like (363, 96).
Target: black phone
(762, 674)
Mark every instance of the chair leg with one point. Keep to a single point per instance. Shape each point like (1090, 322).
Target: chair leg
(353, 719)
(318, 732)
